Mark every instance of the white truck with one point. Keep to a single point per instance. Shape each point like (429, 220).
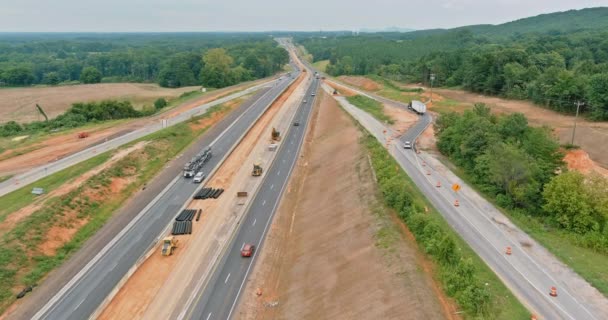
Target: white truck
(418, 106)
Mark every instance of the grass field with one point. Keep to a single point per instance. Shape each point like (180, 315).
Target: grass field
(371, 106)
(24, 255)
(321, 65)
(19, 104)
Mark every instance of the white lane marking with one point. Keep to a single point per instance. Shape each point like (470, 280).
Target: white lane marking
(254, 220)
(283, 160)
(228, 277)
(208, 316)
(78, 305)
(271, 186)
(279, 173)
(266, 227)
(264, 202)
(243, 246)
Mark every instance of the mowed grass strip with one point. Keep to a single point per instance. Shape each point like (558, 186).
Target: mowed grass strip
(371, 106)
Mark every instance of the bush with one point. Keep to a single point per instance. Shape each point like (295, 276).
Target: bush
(160, 103)
(458, 274)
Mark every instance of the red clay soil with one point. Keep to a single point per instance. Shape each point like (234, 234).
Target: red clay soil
(579, 160)
(361, 82)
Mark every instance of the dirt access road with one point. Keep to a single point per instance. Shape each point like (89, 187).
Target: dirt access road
(60, 146)
(333, 252)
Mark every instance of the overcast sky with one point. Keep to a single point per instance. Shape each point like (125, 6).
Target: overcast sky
(264, 15)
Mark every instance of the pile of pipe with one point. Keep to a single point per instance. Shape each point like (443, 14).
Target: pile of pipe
(208, 193)
(183, 222)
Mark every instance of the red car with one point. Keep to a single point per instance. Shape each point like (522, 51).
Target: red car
(247, 250)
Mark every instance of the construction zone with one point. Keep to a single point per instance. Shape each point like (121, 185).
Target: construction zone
(161, 284)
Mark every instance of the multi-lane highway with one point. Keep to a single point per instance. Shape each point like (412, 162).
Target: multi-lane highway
(482, 227)
(40, 172)
(219, 298)
(83, 294)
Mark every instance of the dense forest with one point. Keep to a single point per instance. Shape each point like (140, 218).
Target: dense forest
(517, 166)
(172, 60)
(554, 59)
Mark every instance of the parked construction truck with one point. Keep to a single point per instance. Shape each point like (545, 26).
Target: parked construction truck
(276, 135)
(257, 170)
(169, 244)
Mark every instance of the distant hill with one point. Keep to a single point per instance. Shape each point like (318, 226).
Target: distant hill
(558, 22)
(387, 29)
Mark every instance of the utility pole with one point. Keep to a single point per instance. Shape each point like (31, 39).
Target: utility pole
(578, 106)
(432, 79)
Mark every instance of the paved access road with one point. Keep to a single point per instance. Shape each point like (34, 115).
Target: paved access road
(35, 174)
(82, 295)
(219, 298)
(475, 220)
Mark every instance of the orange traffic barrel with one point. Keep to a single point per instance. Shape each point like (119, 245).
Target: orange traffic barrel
(508, 251)
(428, 172)
(553, 292)
(456, 203)
(438, 184)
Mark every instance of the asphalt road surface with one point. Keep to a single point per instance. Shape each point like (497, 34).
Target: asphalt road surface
(82, 295)
(219, 298)
(40, 172)
(529, 279)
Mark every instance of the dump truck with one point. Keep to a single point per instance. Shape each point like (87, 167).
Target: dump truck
(257, 170)
(276, 135)
(169, 243)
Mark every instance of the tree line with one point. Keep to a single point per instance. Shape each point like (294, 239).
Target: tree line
(551, 69)
(80, 114)
(519, 167)
(172, 60)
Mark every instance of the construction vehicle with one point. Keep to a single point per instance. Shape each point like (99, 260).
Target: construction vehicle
(257, 170)
(83, 135)
(169, 243)
(276, 135)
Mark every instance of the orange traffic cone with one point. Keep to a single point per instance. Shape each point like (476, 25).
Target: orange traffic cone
(456, 203)
(417, 151)
(438, 184)
(533, 317)
(258, 292)
(508, 251)
(553, 292)
(428, 172)
(423, 164)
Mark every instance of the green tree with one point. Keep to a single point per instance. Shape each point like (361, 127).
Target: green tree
(51, 78)
(216, 72)
(597, 94)
(90, 75)
(567, 201)
(18, 76)
(160, 103)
